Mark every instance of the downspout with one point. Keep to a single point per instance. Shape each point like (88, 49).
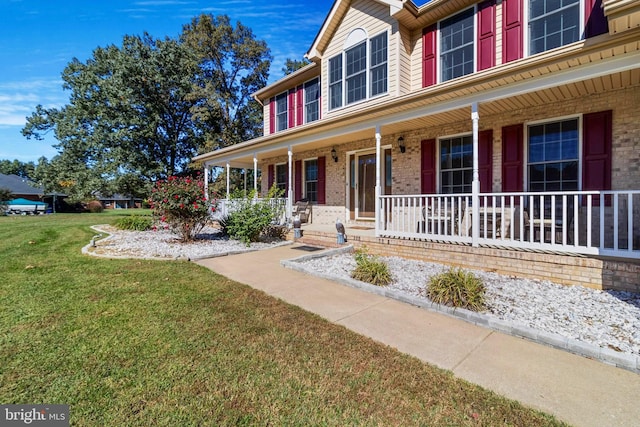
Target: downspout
(378, 166)
(475, 184)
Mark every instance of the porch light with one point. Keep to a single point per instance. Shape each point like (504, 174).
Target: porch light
(403, 147)
(334, 154)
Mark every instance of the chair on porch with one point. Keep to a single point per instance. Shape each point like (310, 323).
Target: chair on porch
(302, 208)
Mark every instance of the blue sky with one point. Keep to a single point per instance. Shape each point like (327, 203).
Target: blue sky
(38, 38)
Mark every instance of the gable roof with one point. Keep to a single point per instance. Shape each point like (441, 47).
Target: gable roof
(335, 16)
(18, 185)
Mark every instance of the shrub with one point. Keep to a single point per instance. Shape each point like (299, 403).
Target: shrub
(457, 288)
(249, 218)
(134, 222)
(95, 206)
(180, 203)
(370, 269)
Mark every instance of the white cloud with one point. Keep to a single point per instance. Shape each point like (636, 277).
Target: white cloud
(18, 99)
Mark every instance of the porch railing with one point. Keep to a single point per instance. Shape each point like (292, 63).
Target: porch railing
(582, 222)
(226, 206)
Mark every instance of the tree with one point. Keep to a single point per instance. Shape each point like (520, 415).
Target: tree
(16, 167)
(232, 66)
(292, 65)
(129, 115)
(5, 196)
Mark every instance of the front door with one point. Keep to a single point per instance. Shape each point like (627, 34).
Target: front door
(363, 182)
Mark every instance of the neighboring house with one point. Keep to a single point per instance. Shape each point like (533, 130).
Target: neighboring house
(22, 188)
(120, 201)
(502, 135)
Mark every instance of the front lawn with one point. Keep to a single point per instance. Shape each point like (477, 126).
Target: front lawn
(131, 342)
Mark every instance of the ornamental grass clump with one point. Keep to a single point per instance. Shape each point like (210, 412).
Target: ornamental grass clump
(370, 269)
(457, 288)
(180, 204)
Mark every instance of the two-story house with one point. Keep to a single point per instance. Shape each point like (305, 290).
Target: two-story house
(501, 134)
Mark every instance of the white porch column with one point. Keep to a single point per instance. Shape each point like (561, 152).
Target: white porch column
(244, 172)
(228, 179)
(255, 175)
(475, 184)
(206, 181)
(378, 192)
(290, 192)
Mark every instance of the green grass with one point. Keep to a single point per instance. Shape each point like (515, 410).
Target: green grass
(139, 343)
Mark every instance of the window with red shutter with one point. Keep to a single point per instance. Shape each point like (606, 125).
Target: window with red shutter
(512, 158)
(429, 59)
(486, 34)
(597, 134)
(428, 166)
(512, 41)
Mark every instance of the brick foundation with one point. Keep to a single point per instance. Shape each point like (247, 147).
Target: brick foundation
(595, 273)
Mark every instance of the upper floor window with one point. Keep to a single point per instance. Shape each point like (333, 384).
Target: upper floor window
(553, 156)
(378, 64)
(364, 73)
(312, 100)
(335, 82)
(457, 45)
(456, 164)
(282, 119)
(553, 23)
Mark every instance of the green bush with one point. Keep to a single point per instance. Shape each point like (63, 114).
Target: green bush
(95, 206)
(370, 269)
(249, 218)
(134, 222)
(457, 288)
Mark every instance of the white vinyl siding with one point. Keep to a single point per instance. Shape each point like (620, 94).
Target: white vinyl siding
(374, 19)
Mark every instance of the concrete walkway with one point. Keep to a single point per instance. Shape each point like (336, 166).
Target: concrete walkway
(575, 389)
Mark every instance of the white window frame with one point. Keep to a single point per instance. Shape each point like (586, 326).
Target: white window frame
(304, 179)
(525, 152)
(316, 101)
(353, 42)
(278, 114)
(526, 30)
(384, 64)
(439, 162)
(475, 44)
(275, 172)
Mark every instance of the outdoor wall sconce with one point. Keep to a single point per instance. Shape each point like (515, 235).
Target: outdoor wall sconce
(403, 147)
(334, 154)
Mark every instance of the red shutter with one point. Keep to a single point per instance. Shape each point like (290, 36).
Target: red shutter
(299, 106)
(485, 160)
(322, 180)
(512, 158)
(297, 189)
(272, 115)
(595, 21)
(428, 166)
(512, 44)
(429, 60)
(596, 158)
(486, 34)
(291, 104)
(271, 176)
